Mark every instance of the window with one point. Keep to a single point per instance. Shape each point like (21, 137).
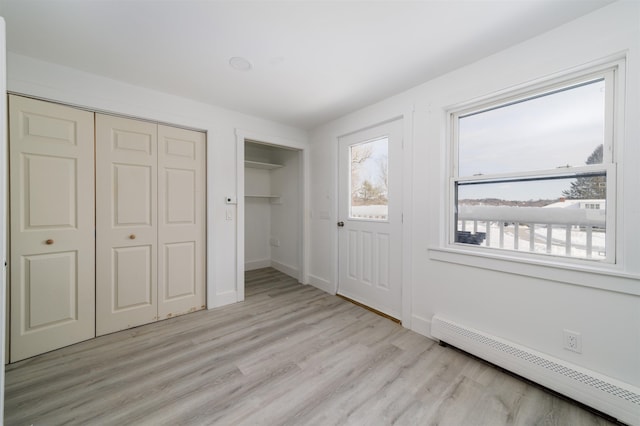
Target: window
(534, 173)
(369, 180)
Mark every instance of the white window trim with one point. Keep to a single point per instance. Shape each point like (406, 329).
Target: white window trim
(511, 260)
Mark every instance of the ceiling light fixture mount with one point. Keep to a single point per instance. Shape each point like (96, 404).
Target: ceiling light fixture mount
(239, 63)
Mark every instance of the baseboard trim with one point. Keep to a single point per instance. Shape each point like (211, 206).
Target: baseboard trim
(286, 269)
(257, 264)
(421, 326)
(321, 284)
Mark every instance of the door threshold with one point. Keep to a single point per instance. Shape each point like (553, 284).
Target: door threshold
(369, 308)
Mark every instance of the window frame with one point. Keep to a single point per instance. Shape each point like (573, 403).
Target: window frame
(612, 72)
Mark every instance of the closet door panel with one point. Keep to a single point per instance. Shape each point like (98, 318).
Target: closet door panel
(180, 273)
(132, 277)
(181, 216)
(50, 195)
(133, 198)
(126, 216)
(52, 226)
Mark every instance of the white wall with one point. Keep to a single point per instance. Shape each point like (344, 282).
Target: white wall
(527, 304)
(36, 78)
(285, 214)
(257, 216)
(257, 219)
(278, 219)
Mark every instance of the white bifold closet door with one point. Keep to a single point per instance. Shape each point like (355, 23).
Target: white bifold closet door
(150, 184)
(52, 226)
(181, 220)
(126, 223)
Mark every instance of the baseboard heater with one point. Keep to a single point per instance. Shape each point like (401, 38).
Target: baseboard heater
(610, 396)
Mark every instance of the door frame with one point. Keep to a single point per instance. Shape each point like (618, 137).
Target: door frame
(4, 180)
(303, 237)
(406, 272)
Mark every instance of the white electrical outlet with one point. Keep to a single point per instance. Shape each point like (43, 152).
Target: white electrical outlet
(572, 341)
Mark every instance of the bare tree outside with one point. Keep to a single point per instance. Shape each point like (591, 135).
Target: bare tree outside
(369, 179)
(383, 172)
(359, 155)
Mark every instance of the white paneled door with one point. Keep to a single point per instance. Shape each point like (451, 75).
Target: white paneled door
(370, 217)
(181, 218)
(101, 242)
(150, 185)
(52, 226)
(126, 223)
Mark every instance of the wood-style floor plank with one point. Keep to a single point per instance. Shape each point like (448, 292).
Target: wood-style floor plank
(289, 355)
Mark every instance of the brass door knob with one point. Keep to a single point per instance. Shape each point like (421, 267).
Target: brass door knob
(49, 241)
(132, 236)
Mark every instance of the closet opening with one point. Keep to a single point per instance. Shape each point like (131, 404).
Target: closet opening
(273, 209)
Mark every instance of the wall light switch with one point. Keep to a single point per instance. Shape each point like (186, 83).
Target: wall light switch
(229, 214)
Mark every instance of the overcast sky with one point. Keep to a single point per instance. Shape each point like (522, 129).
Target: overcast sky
(544, 133)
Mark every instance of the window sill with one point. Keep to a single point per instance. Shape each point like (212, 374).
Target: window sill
(603, 276)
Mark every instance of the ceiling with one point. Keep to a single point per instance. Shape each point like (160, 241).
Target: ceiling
(311, 61)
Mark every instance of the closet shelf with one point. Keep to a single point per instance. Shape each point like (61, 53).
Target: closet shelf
(260, 165)
(273, 199)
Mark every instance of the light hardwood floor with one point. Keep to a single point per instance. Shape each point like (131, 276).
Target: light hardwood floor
(289, 355)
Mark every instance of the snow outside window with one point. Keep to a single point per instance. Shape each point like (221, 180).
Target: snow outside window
(535, 173)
